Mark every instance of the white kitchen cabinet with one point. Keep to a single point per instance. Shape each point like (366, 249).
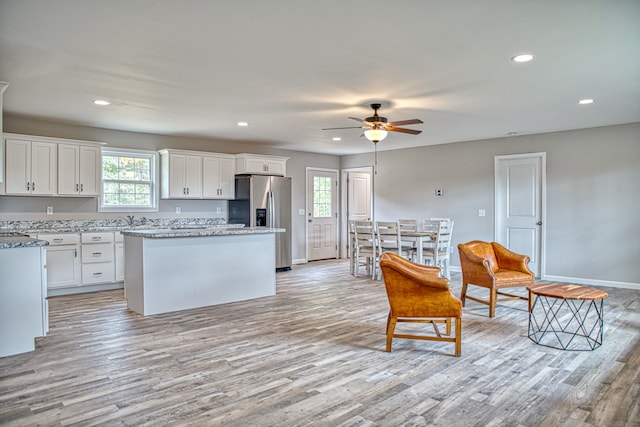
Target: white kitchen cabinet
(30, 167)
(181, 175)
(97, 258)
(63, 260)
(260, 164)
(218, 177)
(79, 168)
(119, 256)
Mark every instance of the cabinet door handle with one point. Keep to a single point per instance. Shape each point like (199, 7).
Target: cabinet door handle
(96, 238)
(82, 188)
(33, 186)
(57, 240)
(97, 254)
(75, 253)
(98, 274)
(28, 186)
(77, 189)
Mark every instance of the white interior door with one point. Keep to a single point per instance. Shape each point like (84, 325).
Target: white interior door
(322, 214)
(359, 196)
(519, 196)
(356, 200)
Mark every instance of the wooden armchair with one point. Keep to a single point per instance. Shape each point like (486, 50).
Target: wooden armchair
(492, 266)
(417, 293)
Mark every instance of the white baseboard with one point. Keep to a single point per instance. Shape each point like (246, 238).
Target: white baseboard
(592, 282)
(299, 261)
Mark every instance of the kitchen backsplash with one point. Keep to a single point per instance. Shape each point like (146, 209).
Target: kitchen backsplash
(117, 222)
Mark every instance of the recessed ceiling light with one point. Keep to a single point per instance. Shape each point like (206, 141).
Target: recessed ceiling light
(523, 57)
(243, 124)
(336, 138)
(101, 102)
(585, 101)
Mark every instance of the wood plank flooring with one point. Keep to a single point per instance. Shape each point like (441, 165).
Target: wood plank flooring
(313, 355)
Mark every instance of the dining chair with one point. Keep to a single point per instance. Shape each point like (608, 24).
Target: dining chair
(389, 239)
(364, 243)
(440, 253)
(408, 225)
(352, 247)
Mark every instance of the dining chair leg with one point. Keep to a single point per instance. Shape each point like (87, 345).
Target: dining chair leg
(458, 336)
(463, 293)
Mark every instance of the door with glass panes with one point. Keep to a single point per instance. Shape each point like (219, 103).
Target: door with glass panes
(322, 214)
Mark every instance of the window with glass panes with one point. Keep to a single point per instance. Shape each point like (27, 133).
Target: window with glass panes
(321, 197)
(128, 180)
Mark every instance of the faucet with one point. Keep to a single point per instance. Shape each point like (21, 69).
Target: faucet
(130, 219)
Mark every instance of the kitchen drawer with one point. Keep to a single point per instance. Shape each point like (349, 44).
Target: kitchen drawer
(100, 252)
(101, 237)
(61, 238)
(102, 272)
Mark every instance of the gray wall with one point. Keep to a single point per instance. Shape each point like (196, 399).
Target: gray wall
(593, 189)
(593, 195)
(83, 208)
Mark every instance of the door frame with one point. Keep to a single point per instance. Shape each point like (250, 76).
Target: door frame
(344, 221)
(306, 207)
(542, 156)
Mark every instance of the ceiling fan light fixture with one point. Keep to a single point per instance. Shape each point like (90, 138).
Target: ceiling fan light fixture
(375, 135)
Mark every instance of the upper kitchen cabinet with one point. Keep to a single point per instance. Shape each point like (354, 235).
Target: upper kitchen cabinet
(31, 167)
(218, 176)
(79, 170)
(180, 174)
(260, 164)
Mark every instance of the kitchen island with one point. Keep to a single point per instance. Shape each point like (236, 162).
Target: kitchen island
(177, 269)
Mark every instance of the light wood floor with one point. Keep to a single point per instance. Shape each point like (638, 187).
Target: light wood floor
(314, 356)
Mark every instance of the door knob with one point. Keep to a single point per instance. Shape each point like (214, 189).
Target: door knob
(310, 220)
(539, 223)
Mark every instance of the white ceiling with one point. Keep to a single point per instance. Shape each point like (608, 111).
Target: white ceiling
(292, 67)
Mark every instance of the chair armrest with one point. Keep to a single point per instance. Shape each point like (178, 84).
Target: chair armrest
(473, 265)
(510, 260)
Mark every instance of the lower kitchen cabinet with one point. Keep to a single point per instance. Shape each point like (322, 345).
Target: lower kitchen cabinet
(63, 260)
(97, 258)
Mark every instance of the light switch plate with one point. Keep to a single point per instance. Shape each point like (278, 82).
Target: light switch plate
(481, 212)
(49, 210)
(178, 210)
(300, 211)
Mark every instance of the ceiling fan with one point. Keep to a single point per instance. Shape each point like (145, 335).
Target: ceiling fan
(377, 126)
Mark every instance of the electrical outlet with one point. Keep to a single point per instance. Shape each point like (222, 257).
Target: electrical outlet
(439, 192)
(49, 210)
(481, 212)
(218, 210)
(178, 210)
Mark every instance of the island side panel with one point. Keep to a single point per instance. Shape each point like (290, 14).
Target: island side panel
(191, 272)
(134, 273)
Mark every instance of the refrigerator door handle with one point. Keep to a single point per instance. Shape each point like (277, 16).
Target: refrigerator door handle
(272, 210)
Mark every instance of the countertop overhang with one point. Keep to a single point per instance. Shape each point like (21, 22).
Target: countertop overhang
(163, 233)
(18, 240)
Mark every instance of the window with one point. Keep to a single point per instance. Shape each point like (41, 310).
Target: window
(129, 181)
(321, 197)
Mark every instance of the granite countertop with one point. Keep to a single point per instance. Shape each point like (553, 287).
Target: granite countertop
(9, 240)
(163, 233)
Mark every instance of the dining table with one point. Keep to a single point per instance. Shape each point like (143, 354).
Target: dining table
(420, 238)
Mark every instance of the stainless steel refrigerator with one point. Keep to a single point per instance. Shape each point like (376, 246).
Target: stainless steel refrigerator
(265, 201)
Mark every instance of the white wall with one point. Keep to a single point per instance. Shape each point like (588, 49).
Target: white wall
(593, 195)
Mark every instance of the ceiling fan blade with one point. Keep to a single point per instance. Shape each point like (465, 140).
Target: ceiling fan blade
(406, 122)
(348, 127)
(403, 130)
(357, 119)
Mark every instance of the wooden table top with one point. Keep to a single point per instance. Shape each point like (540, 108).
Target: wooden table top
(567, 291)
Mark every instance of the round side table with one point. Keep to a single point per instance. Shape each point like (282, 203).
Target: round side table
(565, 316)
